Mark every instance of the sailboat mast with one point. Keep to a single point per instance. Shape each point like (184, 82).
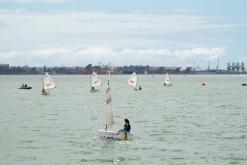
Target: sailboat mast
(108, 103)
(43, 82)
(209, 63)
(136, 80)
(217, 67)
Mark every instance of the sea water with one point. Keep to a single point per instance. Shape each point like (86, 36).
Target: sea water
(184, 124)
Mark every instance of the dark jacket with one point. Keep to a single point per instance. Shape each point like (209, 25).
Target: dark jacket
(127, 127)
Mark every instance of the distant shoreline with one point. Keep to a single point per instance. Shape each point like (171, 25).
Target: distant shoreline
(6, 69)
(128, 74)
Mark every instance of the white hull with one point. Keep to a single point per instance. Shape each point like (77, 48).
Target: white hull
(138, 89)
(168, 85)
(45, 93)
(115, 135)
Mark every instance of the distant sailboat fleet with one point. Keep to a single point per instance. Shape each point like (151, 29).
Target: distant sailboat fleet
(95, 82)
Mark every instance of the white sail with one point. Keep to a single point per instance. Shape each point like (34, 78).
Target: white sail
(132, 81)
(167, 80)
(95, 81)
(145, 72)
(48, 82)
(108, 103)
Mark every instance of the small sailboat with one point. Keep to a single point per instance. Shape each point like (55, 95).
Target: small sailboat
(95, 81)
(145, 72)
(106, 133)
(48, 84)
(132, 82)
(168, 80)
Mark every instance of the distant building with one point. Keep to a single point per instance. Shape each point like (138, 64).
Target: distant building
(172, 69)
(4, 66)
(242, 67)
(188, 70)
(96, 69)
(156, 70)
(235, 67)
(229, 67)
(139, 69)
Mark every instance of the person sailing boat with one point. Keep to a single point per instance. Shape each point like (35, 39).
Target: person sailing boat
(126, 126)
(95, 82)
(132, 82)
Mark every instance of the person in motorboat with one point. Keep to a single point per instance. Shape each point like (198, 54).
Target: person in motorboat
(126, 126)
(140, 88)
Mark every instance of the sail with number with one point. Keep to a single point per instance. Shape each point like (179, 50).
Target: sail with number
(95, 81)
(167, 80)
(108, 103)
(48, 82)
(132, 81)
(110, 134)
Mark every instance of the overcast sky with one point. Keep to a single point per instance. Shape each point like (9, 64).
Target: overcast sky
(123, 32)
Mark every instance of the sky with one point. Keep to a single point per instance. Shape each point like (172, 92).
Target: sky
(123, 32)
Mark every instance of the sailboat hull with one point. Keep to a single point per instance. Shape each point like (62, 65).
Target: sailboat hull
(25, 88)
(45, 93)
(115, 135)
(94, 90)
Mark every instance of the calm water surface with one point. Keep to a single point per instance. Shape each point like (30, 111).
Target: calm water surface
(183, 124)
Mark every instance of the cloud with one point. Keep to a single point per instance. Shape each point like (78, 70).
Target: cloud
(103, 24)
(202, 52)
(74, 38)
(82, 56)
(108, 28)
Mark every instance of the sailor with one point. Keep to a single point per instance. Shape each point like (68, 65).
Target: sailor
(43, 90)
(126, 126)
